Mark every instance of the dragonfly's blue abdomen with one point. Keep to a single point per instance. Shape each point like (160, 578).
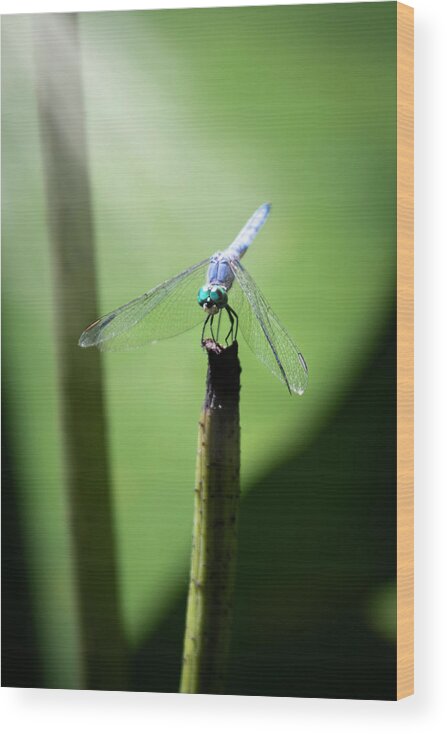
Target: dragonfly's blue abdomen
(219, 271)
(248, 233)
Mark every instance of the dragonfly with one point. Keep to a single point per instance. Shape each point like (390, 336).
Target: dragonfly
(225, 287)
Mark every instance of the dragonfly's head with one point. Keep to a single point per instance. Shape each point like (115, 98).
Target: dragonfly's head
(212, 298)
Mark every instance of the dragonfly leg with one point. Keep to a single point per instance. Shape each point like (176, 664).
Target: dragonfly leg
(211, 328)
(218, 324)
(236, 318)
(204, 326)
(232, 315)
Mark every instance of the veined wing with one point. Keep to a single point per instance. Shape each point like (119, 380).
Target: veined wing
(265, 335)
(167, 310)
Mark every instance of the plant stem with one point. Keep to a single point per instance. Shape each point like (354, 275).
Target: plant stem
(83, 422)
(215, 526)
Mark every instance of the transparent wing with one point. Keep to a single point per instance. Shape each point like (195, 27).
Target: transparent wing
(264, 334)
(167, 310)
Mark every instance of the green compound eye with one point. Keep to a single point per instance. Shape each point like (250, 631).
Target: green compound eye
(203, 296)
(219, 296)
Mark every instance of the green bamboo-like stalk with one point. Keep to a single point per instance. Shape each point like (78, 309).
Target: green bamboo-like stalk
(217, 490)
(102, 650)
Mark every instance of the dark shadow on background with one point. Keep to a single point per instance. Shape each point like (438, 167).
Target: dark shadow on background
(21, 664)
(317, 540)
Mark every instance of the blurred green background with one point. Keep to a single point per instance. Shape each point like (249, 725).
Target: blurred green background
(193, 119)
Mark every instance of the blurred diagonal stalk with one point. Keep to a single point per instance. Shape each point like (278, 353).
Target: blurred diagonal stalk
(83, 421)
(208, 619)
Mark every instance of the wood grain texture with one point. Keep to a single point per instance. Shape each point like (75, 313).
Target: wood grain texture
(405, 353)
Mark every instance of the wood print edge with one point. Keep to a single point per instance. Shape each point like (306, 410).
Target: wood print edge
(405, 352)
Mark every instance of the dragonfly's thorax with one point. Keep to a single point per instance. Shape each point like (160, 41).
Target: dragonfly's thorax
(220, 272)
